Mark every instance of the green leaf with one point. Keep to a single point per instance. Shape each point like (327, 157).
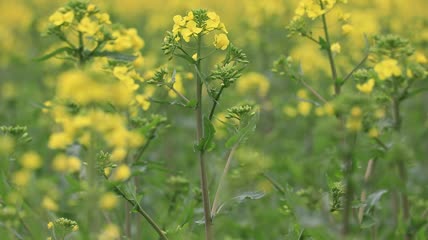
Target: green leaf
(243, 132)
(373, 199)
(323, 44)
(54, 53)
(116, 56)
(206, 143)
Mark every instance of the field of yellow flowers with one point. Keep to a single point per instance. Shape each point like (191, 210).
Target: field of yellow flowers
(226, 119)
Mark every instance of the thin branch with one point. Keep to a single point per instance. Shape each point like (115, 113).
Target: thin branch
(140, 210)
(313, 91)
(277, 186)
(215, 102)
(366, 56)
(221, 181)
(186, 100)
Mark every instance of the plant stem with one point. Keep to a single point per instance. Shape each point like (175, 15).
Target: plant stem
(405, 205)
(140, 210)
(367, 175)
(349, 191)
(215, 102)
(222, 178)
(199, 136)
(329, 53)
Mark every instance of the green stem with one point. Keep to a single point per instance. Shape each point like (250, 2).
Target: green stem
(199, 136)
(222, 178)
(215, 102)
(337, 85)
(349, 188)
(401, 165)
(140, 210)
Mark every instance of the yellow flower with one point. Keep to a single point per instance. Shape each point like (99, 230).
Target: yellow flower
(195, 56)
(213, 21)
(253, 82)
(21, 178)
(122, 173)
(6, 144)
(75, 228)
(49, 204)
(319, 111)
(329, 109)
(420, 58)
(356, 112)
(304, 108)
(91, 8)
(59, 140)
(302, 93)
(87, 26)
(221, 41)
(373, 133)
(354, 124)
(347, 28)
(387, 68)
(110, 232)
(335, 48)
(108, 201)
(31, 160)
(59, 18)
(366, 87)
(63, 163)
(118, 154)
(73, 164)
(103, 18)
(289, 111)
(50, 225)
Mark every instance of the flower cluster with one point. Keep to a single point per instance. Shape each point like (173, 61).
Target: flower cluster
(88, 32)
(196, 23)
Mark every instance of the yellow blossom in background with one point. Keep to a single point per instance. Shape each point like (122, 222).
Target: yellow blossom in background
(304, 108)
(50, 225)
(253, 82)
(289, 111)
(356, 112)
(379, 113)
(59, 140)
(420, 58)
(302, 94)
(366, 87)
(31, 160)
(121, 173)
(387, 68)
(49, 204)
(319, 111)
(6, 145)
(21, 178)
(221, 41)
(373, 133)
(329, 109)
(354, 121)
(64, 163)
(108, 201)
(335, 48)
(109, 232)
(118, 154)
(354, 124)
(195, 56)
(347, 29)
